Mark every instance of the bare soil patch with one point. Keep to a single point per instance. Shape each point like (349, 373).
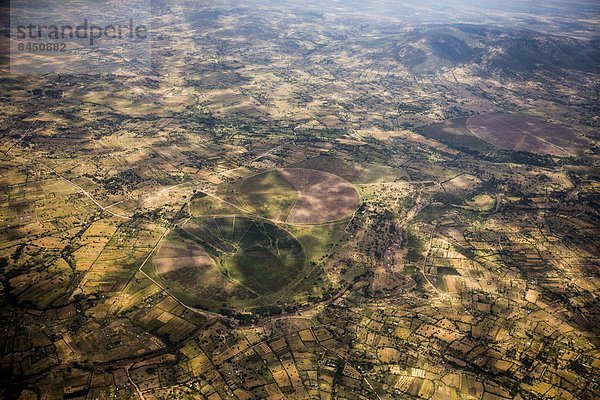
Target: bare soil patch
(170, 258)
(520, 133)
(323, 197)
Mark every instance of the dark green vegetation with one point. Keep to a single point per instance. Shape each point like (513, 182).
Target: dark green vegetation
(252, 260)
(416, 246)
(257, 254)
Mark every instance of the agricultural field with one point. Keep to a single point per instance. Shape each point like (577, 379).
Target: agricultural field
(319, 200)
(242, 255)
(270, 194)
(228, 260)
(518, 133)
(322, 197)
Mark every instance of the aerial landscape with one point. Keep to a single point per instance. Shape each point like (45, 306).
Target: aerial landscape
(257, 199)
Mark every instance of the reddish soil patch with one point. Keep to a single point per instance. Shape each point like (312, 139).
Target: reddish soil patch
(519, 133)
(323, 197)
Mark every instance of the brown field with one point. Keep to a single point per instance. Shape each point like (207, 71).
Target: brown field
(323, 197)
(454, 133)
(170, 258)
(519, 133)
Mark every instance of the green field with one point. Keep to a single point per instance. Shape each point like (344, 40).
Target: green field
(268, 194)
(252, 261)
